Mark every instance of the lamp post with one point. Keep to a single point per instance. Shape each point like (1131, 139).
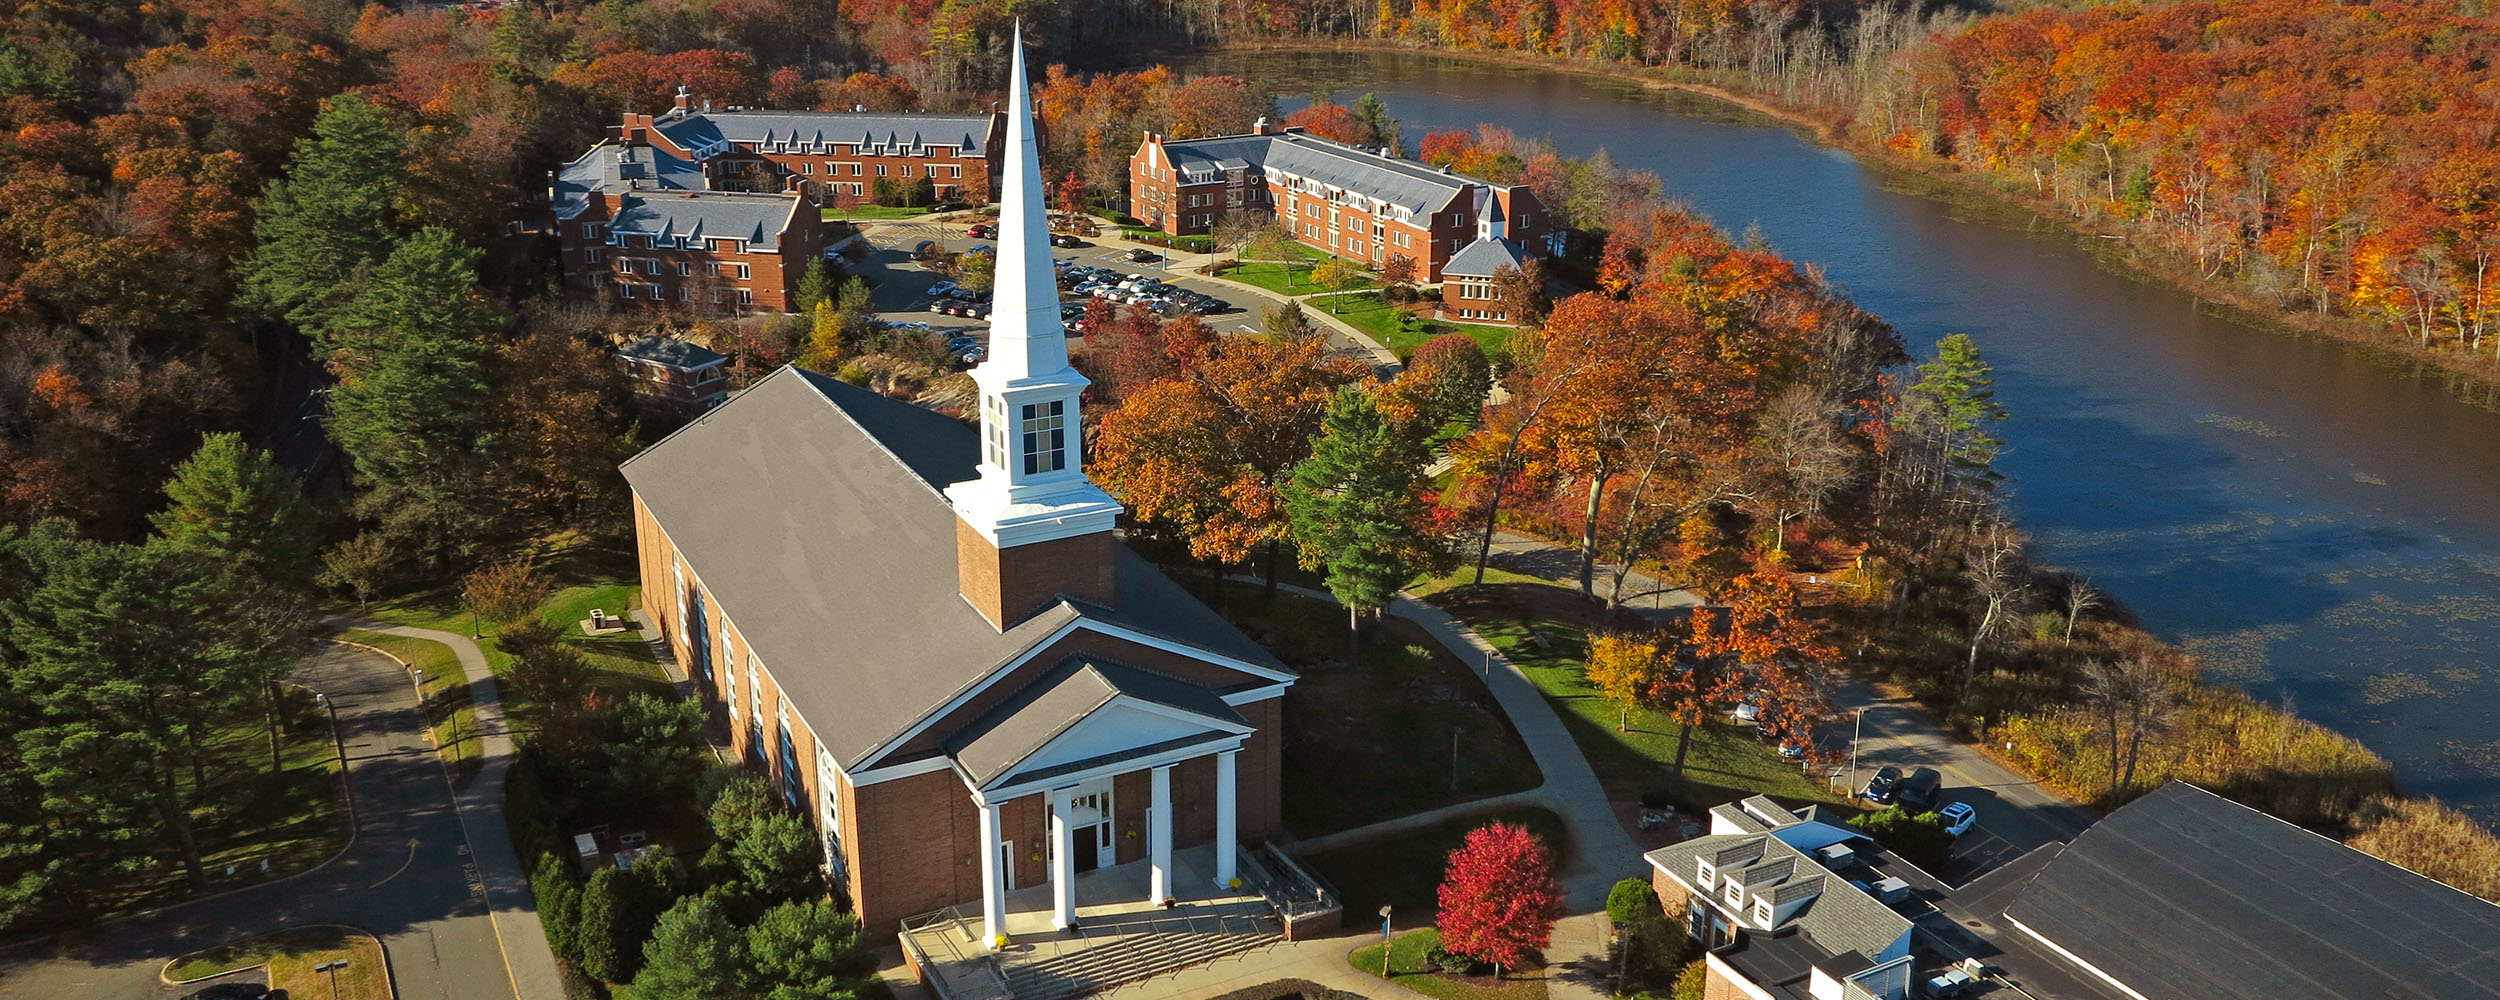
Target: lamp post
(1854, 732)
(1385, 947)
(337, 741)
(416, 679)
(332, 967)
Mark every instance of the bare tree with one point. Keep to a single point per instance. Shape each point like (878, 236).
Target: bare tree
(2080, 597)
(1998, 584)
(1805, 458)
(2137, 700)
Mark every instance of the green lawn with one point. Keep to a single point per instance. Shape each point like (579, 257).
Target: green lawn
(585, 578)
(1286, 278)
(1409, 970)
(1375, 742)
(1544, 629)
(294, 817)
(874, 212)
(1391, 326)
(292, 956)
(1404, 870)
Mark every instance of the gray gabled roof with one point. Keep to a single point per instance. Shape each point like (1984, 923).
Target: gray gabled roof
(1840, 918)
(2183, 893)
(1481, 258)
(697, 129)
(1417, 187)
(810, 509)
(1055, 702)
(611, 166)
(706, 215)
(672, 352)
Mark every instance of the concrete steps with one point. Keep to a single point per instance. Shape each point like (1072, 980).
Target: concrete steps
(1136, 957)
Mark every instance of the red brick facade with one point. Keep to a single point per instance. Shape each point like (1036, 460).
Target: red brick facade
(1326, 217)
(910, 844)
(719, 274)
(841, 175)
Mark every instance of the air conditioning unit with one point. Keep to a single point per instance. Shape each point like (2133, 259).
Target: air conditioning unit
(1835, 856)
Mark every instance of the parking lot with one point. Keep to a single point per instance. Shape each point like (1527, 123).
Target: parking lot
(901, 294)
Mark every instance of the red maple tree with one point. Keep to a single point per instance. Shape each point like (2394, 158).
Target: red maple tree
(1499, 900)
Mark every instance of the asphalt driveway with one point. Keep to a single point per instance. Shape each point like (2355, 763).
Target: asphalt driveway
(406, 879)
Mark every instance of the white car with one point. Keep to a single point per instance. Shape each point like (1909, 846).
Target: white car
(1958, 817)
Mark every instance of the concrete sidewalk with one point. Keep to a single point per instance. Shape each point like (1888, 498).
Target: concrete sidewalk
(531, 963)
(1602, 852)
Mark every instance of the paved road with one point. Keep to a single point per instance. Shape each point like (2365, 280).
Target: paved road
(406, 878)
(2015, 813)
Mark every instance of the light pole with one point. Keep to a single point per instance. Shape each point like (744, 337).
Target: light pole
(1856, 730)
(416, 679)
(332, 967)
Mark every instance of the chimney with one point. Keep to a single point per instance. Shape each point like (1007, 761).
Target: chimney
(685, 98)
(1259, 127)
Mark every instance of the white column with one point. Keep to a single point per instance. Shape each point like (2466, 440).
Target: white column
(1226, 835)
(1159, 839)
(1062, 863)
(993, 879)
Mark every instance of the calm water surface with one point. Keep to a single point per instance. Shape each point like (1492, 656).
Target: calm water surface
(2315, 520)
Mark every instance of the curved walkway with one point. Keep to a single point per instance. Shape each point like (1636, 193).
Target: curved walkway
(1602, 853)
(530, 962)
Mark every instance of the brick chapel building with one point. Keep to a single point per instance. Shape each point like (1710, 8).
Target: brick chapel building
(723, 210)
(931, 639)
(1359, 203)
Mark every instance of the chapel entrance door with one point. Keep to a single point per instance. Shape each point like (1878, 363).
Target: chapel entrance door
(1089, 826)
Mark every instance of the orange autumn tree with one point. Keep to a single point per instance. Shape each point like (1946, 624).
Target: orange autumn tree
(1764, 648)
(1203, 455)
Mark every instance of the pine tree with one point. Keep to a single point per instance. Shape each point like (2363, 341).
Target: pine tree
(1499, 900)
(1356, 506)
(234, 504)
(808, 951)
(694, 954)
(406, 410)
(815, 285)
(603, 902)
(559, 903)
(1954, 401)
(335, 214)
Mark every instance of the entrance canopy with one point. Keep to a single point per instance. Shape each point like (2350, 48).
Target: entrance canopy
(1086, 717)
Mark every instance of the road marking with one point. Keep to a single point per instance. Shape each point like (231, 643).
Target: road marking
(403, 865)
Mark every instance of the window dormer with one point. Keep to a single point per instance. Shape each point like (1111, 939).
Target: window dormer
(1704, 873)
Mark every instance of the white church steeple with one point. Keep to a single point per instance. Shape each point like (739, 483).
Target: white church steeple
(1032, 486)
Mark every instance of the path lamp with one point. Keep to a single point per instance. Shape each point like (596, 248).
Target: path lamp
(340, 742)
(416, 679)
(1385, 947)
(332, 967)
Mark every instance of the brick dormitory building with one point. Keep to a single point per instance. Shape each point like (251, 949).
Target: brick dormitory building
(1359, 203)
(723, 209)
(930, 639)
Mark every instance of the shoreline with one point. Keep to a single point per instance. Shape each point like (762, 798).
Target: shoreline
(2473, 379)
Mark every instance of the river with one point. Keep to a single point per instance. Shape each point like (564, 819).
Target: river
(2319, 522)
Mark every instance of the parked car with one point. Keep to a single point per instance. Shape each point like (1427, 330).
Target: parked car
(939, 304)
(973, 355)
(1917, 793)
(924, 250)
(977, 310)
(941, 288)
(957, 342)
(1064, 240)
(983, 231)
(1141, 255)
(1958, 817)
(231, 991)
(1881, 788)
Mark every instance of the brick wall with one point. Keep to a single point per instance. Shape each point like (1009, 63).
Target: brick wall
(709, 275)
(1008, 586)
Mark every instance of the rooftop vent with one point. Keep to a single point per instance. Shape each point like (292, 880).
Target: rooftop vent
(1445, 168)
